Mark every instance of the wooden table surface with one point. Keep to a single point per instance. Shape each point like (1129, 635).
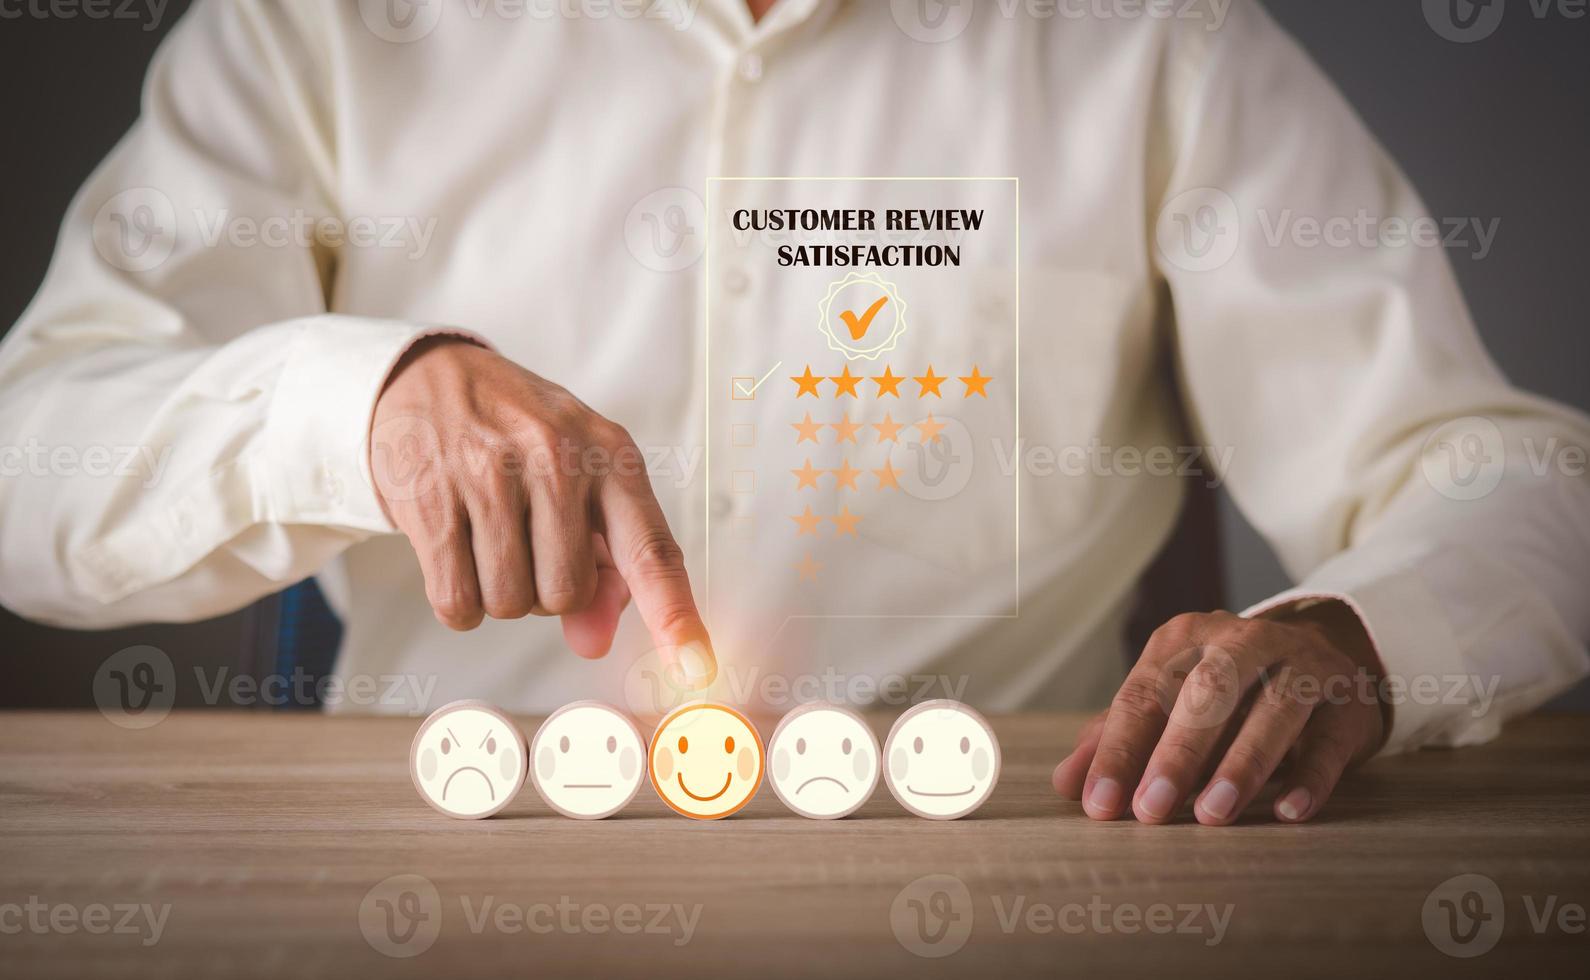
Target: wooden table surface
(259, 843)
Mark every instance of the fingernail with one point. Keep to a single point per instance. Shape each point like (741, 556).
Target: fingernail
(1105, 797)
(1158, 799)
(696, 665)
(1220, 800)
(1294, 804)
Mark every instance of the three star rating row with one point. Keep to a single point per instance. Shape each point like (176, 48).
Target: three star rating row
(807, 430)
(888, 383)
(845, 477)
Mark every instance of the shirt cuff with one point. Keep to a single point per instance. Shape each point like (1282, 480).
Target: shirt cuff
(1431, 694)
(318, 459)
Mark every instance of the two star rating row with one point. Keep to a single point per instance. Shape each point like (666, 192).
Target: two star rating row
(888, 383)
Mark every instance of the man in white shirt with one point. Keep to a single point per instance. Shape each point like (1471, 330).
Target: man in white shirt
(317, 402)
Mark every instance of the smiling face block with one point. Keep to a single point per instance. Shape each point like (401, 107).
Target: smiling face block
(706, 760)
(468, 760)
(825, 761)
(589, 760)
(943, 760)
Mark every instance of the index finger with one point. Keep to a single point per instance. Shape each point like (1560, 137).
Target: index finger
(653, 566)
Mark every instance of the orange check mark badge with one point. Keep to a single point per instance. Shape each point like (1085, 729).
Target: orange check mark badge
(858, 328)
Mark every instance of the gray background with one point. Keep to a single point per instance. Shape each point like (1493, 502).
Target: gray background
(1496, 128)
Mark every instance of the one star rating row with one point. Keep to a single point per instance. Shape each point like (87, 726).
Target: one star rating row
(846, 476)
(888, 383)
(807, 430)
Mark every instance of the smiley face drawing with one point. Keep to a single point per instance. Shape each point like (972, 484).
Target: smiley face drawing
(468, 760)
(943, 760)
(706, 760)
(825, 761)
(589, 760)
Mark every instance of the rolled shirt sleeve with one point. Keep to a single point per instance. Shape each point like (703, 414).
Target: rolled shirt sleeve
(184, 421)
(1373, 442)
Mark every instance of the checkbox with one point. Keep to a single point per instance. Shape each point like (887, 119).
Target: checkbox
(742, 528)
(742, 481)
(742, 389)
(742, 435)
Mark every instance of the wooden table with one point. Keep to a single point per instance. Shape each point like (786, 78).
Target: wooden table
(259, 842)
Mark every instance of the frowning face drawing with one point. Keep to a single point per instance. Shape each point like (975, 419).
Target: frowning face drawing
(942, 760)
(468, 760)
(825, 761)
(706, 760)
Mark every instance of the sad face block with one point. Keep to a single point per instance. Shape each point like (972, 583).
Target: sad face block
(825, 761)
(706, 760)
(942, 760)
(468, 760)
(589, 760)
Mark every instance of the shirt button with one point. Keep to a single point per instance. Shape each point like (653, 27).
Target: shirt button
(736, 281)
(722, 506)
(751, 67)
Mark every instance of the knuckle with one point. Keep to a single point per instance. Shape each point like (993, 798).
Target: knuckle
(1119, 757)
(1138, 699)
(457, 610)
(1249, 764)
(566, 592)
(1180, 756)
(655, 553)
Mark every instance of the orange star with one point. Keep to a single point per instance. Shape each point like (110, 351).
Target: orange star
(930, 382)
(887, 477)
(930, 429)
(845, 475)
(807, 428)
(847, 383)
(845, 522)
(847, 429)
(977, 384)
(807, 383)
(808, 568)
(807, 476)
(888, 382)
(807, 522)
(888, 429)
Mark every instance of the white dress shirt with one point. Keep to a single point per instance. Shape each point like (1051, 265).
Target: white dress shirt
(312, 186)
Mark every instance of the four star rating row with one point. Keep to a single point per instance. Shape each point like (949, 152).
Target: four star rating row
(808, 430)
(888, 383)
